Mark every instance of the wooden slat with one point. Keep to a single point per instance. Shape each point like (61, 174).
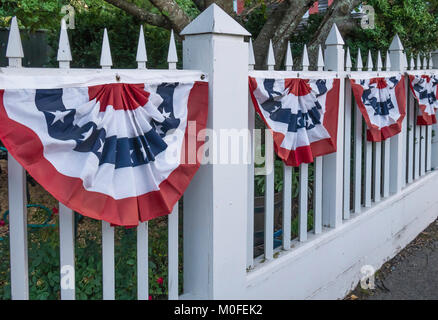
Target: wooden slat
(108, 261)
(422, 150)
(317, 196)
(410, 136)
(386, 166)
(67, 251)
(377, 155)
(250, 215)
(302, 214)
(347, 150)
(18, 230)
(269, 199)
(173, 253)
(142, 261)
(357, 160)
(417, 144)
(368, 173)
(287, 206)
(428, 148)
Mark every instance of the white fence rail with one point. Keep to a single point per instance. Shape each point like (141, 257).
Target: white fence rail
(218, 221)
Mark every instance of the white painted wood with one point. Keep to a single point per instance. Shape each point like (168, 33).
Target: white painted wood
(371, 238)
(347, 149)
(172, 56)
(18, 230)
(386, 147)
(287, 206)
(142, 56)
(417, 146)
(250, 198)
(251, 58)
(289, 60)
(379, 61)
(370, 61)
(317, 196)
(67, 250)
(397, 148)
(302, 206)
(17, 194)
(377, 154)
(422, 150)
(410, 136)
(333, 164)
(348, 64)
(368, 173)
(207, 215)
(269, 203)
(105, 57)
(428, 147)
(359, 63)
(357, 159)
(108, 272)
(173, 253)
(306, 62)
(66, 215)
(270, 59)
(142, 261)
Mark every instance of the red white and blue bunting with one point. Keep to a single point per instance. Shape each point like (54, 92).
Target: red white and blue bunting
(112, 151)
(424, 89)
(382, 102)
(301, 113)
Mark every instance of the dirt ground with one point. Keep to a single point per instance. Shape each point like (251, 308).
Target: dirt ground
(410, 275)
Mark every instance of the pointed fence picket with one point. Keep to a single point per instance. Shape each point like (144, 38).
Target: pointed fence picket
(345, 184)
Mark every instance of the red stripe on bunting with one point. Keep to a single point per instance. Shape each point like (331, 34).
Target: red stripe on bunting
(25, 146)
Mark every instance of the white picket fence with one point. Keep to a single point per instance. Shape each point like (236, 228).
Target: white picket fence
(219, 203)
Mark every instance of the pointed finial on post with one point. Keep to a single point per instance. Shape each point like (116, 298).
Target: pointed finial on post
(359, 63)
(289, 60)
(405, 61)
(418, 66)
(306, 62)
(270, 61)
(387, 62)
(14, 50)
(334, 50)
(396, 54)
(424, 62)
(379, 61)
(412, 63)
(430, 61)
(64, 53)
(251, 58)
(105, 59)
(348, 64)
(172, 57)
(320, 62)
(370, 61)
(142, 56)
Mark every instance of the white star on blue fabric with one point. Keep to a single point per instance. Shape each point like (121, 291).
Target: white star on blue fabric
(87, 134)
(59, 115)
(166, 114)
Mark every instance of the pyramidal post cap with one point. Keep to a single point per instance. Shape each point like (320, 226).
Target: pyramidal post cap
(348, 63)
(14, 48)
(105, 58)
(334, 37)
(251, 58)
(214, 20)
(270, 60)
(396, 44)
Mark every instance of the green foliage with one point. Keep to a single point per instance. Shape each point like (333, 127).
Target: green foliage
(44, 276)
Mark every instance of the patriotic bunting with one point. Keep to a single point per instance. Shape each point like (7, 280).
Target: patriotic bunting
(382, 102)
(301, 113)
(115, 151)
(424, 89)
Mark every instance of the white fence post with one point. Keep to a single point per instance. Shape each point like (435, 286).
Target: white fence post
(66, 215)
(333, 165)
(397, 147)
(17, 194)
(215, 217)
